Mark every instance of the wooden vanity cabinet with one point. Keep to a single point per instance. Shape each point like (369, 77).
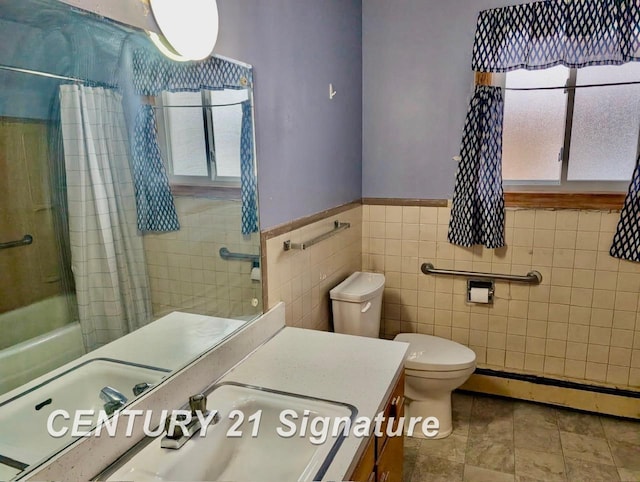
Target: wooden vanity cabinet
(383, 458)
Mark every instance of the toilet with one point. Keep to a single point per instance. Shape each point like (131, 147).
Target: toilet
(434, 366)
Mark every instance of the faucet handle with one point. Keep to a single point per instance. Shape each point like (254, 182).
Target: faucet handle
(198, 403)
(177, 432)
(141, 388)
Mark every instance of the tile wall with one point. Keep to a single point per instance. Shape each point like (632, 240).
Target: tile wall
(186, 271)
(29, 273)
(302, 279)
(582, 323)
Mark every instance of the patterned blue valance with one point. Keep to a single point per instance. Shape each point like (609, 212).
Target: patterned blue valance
(575, 33)
(153, 73)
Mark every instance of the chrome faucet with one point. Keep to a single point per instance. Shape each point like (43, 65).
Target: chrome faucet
(113, 399)
(178, 437)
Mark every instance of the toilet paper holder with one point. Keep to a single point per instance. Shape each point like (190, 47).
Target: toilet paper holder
(481, 284)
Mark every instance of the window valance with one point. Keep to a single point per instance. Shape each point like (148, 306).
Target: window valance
(575, 33)
(153, 73)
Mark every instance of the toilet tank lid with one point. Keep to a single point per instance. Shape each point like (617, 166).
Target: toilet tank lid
(359, 287)
(434, 353)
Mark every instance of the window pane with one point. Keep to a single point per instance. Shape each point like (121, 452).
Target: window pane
(534, 123)
(185, 129)
(227, 124)
(606, 122)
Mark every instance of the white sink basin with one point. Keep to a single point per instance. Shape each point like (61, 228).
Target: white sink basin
(267, 456)
(23, 418)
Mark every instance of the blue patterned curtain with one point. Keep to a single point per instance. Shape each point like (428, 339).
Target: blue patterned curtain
(248, 174)
(152, 74)
(626, 242)
(532, 36)
(477, 214)
(154, 201)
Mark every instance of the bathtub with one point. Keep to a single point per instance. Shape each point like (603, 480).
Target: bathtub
(37, 339)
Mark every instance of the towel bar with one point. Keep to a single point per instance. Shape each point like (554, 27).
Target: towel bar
(337, 227)
(533, 277)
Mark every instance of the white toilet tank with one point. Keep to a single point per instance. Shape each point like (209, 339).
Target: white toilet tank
(357, 304)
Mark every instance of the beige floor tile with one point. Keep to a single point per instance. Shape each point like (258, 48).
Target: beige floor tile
(533, 465)
(479, 474)
(490, 453)
(428, 469)
(487, 408)
(581, 423)
(452, 448)
(537, 438)
(412, 442)
(621, 430)
(529, 414)
(497, 440)
(499, 428)
(627, 475)
(583, 471)
(583, 447)
(462, 402)
(625, 455)
(410, 456)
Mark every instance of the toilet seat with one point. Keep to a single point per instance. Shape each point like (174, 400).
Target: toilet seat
(431, 353)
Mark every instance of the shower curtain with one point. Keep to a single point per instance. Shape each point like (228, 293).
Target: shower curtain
(107, 254)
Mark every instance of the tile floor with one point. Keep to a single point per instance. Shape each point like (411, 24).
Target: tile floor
(497, 440)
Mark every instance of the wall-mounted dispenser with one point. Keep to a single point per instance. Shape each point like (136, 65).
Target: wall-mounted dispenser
(480, 290)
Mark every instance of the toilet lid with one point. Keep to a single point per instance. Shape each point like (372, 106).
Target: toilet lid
(434, 353)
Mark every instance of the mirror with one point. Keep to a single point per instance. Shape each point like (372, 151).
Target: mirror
(118, 194)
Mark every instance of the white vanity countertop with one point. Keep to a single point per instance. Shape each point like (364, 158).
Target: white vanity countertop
(169, 342)
(356, 370)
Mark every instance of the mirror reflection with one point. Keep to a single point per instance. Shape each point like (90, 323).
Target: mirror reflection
(124, 176)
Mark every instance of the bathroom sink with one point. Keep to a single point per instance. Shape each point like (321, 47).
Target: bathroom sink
(266, 456)
(23, 418)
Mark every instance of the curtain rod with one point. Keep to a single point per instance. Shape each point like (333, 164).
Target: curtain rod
(51, 76)
(200, 106)
(564, 87)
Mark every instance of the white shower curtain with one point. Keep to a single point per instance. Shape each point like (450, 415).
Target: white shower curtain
(107, 254)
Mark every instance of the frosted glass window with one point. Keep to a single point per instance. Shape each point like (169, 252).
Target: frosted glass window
(534, 123)
(227, 129)
(185, 129)
(606, 122)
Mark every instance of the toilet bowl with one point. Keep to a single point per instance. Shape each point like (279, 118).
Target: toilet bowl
(434, 367)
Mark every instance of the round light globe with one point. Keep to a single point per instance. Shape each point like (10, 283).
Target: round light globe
(190, 26)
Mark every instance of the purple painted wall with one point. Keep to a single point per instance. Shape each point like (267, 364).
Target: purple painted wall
(417, 83)
(309, 148)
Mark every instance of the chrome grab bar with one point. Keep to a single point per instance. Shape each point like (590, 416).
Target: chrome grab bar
(226, 254)
(27, 239)
(337, 227)
(533, 277)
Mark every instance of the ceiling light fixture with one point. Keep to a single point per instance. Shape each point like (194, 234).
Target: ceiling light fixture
(190, 27)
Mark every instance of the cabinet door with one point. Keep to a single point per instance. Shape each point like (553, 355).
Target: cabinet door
(393, 409)
(391, 460)
(365, 470)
